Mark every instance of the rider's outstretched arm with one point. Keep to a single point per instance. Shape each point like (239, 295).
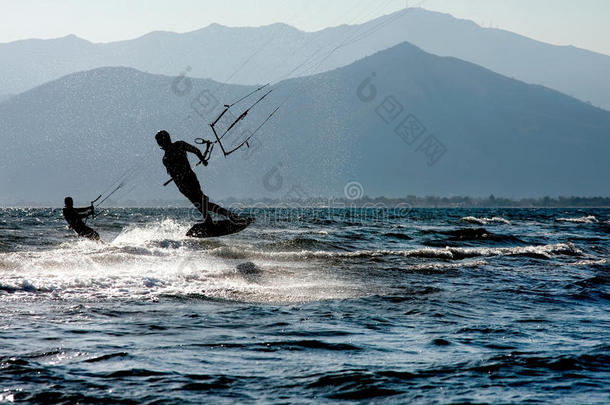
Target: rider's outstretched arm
(192, 149)
(85, 212)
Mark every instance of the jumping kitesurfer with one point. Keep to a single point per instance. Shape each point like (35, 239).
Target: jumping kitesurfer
(178, 167)
(75, 216)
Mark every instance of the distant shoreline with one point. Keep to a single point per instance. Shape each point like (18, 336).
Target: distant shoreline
(366, 202)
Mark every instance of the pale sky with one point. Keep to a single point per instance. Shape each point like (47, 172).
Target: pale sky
(582, 23)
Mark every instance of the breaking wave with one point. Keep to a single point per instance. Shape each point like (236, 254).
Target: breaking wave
(486, 221)
(582, 220)
(449, 253)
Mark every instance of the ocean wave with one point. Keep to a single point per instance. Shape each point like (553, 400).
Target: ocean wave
(23, 286)
(299, 243)
(5, 247)
(291, 345)
(599, 262)
(395, 235)
(485, 221)
(107, 272)
(581, 220)
(593, 360)
(358, 385)
(449, 253)
(476, 234)
(433, 268)
(106, 357)
(446, 266)
(285, 231)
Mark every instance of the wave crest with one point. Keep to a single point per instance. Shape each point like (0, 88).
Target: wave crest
(449, 253)
(581, 220)
(485, 221)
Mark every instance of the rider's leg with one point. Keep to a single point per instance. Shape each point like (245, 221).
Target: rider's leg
(217, 209)
(189, 186)
(192, 190)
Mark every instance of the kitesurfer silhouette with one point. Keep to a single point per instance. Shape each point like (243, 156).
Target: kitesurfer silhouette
(178, 167)
(75, 216)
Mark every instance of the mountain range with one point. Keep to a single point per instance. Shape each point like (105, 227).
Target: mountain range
(401, 121)
(277, 52)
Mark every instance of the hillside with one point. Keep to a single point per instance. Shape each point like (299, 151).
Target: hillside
(276, 52)
(78, 134)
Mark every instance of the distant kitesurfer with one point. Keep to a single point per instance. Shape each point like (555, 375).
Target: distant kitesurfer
(178, 167)
(75, 216)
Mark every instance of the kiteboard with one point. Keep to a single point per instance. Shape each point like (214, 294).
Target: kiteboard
(216, 229)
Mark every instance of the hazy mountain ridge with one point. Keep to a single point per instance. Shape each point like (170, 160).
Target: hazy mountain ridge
(217, 52)
(502, 136)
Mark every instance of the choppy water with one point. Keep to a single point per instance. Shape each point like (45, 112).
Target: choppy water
(451, 306)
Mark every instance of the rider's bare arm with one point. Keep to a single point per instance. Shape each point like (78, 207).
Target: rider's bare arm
(192, 149)
(84, 212)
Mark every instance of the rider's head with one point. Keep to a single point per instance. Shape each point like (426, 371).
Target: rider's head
(163, 139)
(69, 202)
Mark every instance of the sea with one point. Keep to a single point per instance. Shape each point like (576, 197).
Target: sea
(308, 306)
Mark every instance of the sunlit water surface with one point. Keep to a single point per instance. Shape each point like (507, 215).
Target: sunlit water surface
(308, 306)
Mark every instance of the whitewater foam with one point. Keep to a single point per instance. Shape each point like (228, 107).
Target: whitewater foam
(449, 253)
(598, 262)
(582, 220)
(156, 259)
(486, 221)
(137, 235)
(445, 266)
(147, 261)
